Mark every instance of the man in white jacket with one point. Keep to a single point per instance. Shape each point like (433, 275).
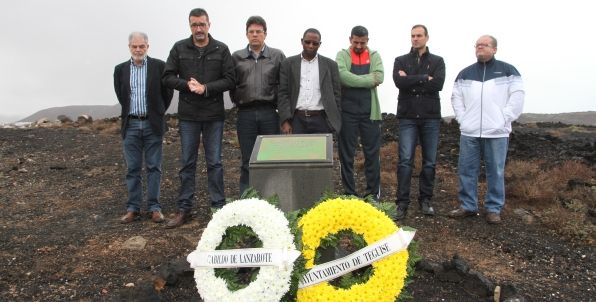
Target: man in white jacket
(487, 96)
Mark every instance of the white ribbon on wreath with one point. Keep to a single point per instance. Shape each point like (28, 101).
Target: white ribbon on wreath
(271, 227)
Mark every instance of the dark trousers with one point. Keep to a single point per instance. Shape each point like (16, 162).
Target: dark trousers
(311, 124)
(251, 122)
(354, 125)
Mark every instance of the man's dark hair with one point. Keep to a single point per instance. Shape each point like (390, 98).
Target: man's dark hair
(312, 30)
(423, 27)
(258, 20)
(359, 31)
(198, 12)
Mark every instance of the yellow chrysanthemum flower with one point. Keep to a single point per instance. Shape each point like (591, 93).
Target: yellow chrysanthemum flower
(338, 214)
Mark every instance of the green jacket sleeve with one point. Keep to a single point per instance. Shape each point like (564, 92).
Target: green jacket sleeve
(376, 66)
(344, 63)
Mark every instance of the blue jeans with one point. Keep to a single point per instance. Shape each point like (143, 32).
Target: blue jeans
(412, 131)
(494, 153)
(353, 125)
(252, 122)
(190, 138)
(140, 141)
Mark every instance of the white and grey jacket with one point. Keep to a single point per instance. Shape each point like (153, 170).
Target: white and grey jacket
(486, 98)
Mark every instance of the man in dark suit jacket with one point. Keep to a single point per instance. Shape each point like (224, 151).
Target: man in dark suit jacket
(144, 100)
(309, 90)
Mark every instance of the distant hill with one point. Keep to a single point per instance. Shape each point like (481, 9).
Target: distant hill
(572, 118)
(586, 118)
(107, 111)
(98, 111)
(95, 111)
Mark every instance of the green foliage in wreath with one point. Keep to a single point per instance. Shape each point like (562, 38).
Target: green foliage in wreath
(347, 241)
(241, 237)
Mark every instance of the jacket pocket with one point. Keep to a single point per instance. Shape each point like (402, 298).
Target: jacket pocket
(403, 107)
(186, 65)
(213, 66)
(494, 122)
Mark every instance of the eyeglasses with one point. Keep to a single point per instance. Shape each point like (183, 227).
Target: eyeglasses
(256, 32)
(203, 25)
(482, 45)
(313, 43)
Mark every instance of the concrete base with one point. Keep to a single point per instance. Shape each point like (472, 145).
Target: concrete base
(298, 186)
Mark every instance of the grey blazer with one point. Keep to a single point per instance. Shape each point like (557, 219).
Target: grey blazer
(289, 87)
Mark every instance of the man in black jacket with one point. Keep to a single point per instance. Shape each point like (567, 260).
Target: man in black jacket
(144, 101)
(420, 76)
(201, 69)
(255, 94)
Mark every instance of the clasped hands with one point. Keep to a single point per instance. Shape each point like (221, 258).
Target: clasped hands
(195, 86)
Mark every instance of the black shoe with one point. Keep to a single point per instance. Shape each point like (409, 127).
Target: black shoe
(402, 211)
(426, 207)
(218, 205)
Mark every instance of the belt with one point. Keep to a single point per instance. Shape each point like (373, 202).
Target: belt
(256, 105)
(308, 113)
(136, 117)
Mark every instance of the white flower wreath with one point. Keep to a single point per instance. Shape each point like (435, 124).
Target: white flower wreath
(271, 227)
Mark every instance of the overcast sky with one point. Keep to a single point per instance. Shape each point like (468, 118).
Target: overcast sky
(63, 52)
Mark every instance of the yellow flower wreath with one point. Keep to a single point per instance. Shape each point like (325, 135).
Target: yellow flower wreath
(338, 214)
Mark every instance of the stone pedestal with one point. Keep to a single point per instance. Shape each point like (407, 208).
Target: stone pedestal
(298, 168)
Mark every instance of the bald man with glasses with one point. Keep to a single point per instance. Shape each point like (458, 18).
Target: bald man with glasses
(487, 97)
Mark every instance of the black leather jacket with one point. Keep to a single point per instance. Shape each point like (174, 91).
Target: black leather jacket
(214, 69)
(256, 80)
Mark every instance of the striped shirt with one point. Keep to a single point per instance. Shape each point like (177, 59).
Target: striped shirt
(138, 88)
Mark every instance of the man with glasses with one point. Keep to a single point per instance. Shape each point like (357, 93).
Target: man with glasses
(487, 96)
(309, 90)
(144, 102)
(255, 95)
(420, 76)
(360, 72)
(201, 69)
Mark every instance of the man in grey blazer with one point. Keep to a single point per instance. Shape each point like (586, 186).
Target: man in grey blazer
(309, 90)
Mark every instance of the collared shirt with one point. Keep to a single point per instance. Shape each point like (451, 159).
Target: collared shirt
(309, 97)
(138, 88)
(255, 55)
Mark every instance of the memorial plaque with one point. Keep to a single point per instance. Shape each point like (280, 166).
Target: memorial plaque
(298, 168)
(292, 148)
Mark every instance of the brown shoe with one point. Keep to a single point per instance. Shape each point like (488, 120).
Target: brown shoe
(129, 217)
(493, 218)
(180, 219)
(157, 216)
(461, 213)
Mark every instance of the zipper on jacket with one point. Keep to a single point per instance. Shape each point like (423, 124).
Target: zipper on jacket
(482, 96)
